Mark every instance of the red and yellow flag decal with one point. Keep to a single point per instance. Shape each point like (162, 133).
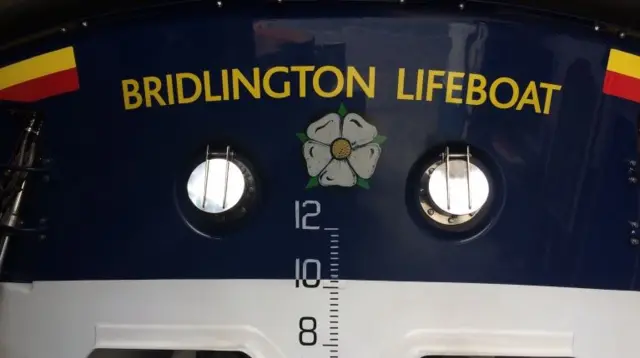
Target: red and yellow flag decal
(39, 77)
(623, 75)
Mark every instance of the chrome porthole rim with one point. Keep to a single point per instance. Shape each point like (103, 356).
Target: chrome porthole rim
(218, 225)
(435, 211)
(432, 210)
(439, 225)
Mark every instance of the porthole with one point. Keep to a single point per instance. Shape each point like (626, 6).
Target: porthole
(216, 189)
(455, 191)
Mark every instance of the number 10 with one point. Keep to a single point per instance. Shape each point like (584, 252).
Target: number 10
(309, 280)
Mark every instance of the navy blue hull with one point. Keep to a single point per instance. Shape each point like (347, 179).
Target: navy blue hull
(114, 203)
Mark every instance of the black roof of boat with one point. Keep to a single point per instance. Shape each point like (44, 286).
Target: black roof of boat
(20, 18)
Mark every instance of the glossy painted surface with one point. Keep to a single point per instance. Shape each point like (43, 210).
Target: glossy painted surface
(112, 204)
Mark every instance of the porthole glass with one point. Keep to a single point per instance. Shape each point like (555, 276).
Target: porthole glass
(216, 185)
(454, 188)
(458, 188)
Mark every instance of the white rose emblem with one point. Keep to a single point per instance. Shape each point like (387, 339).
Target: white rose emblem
(341, 149)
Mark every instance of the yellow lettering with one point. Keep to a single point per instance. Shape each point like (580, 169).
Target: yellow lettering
(472, 89)
(266, 84)
(302, 77)
(224, 74)
(419, 84)
(478, 88)
(208, 97)
(550, 87)
(452, 86)
(431, 82)
(152, 92)
(197, 91)
(131, 90)
(530, 96)
(367, 88)
(170, 96)
(515, 91)
(339, 81)
(253, 88)
(400, 93)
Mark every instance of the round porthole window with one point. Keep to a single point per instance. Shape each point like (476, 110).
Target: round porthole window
(215, 190)
(455, 190)
(458, 187)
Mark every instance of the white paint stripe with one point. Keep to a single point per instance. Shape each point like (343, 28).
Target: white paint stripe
(377, 319)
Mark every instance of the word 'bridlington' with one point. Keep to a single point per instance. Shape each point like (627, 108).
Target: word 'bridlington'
(281, 82)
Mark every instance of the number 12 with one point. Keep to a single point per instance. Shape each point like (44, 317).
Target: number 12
(303, 224)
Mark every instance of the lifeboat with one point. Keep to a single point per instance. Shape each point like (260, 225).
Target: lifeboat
(319, 179)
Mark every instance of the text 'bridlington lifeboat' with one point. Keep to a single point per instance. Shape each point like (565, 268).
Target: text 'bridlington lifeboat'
(319, 179)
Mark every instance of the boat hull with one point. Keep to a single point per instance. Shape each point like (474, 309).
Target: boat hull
(332, 121)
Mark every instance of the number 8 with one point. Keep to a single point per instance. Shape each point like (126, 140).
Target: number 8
(312, 331)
